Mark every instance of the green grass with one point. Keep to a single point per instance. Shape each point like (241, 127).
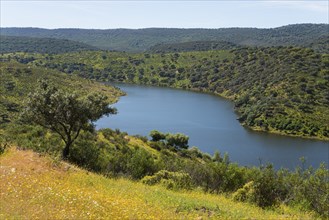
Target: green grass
(38, 187)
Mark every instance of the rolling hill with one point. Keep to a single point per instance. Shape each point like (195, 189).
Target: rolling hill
(138, 40)
(276, 89)
(9, 44)
(18, 80)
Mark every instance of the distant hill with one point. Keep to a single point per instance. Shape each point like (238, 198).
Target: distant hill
(320, 45)
(138, 40)
(9, 44)
(192, 46)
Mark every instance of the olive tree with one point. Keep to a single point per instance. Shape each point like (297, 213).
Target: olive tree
(65, 113)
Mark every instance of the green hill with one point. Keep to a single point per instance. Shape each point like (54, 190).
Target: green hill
(321, 45)
(192, 46)
(9, 44)
(18, 80)
(276, 89)
(138, 40)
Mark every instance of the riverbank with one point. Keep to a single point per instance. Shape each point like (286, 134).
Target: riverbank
(211, 125)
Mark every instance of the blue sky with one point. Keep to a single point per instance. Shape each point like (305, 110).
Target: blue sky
(144, 14)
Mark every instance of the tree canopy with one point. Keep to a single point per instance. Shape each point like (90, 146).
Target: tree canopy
(65, 113)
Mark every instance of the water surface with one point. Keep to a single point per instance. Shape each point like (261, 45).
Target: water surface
(211, 124)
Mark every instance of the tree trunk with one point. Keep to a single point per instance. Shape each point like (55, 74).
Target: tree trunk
(66, 151)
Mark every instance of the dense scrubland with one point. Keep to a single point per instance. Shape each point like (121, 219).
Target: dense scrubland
(275, 89)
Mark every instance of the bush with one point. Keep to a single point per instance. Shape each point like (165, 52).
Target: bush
(268, 188)
(85, 152)
(141, 164)
(177, 140)
(246, 193)
(157, 136)
(171, 180)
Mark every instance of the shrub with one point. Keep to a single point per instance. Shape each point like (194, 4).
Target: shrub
(157, 136)
(141, 164)
(245, 193)
(171, 180)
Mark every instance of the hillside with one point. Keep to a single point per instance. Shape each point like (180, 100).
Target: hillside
(34, 186)
(17, 80)
(276, 89)
(192, 46)
(138, 40)
(9, 44)
(321, 45)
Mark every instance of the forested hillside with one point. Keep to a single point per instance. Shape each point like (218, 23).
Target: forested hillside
(277, 89)
(18, 80)
(321, 45)
(192, 46)
(138, 40)
(9, 44)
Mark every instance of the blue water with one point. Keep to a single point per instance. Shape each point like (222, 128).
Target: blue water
(211, 124)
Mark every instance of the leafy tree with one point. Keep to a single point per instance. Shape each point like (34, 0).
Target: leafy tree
(157, 135)
(65, 113)
(177, 140)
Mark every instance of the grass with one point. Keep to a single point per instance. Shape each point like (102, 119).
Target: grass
(38, 187)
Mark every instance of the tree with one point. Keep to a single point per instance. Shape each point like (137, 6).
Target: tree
(157, 136)
(177, 140)
(65, 113)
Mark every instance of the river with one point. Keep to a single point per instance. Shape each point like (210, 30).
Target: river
(211, 124)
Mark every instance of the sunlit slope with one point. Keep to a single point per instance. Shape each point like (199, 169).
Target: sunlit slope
(276, 89)
(37, 187)
(17, 80)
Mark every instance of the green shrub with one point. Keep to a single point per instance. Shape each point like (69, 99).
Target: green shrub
(141, 164)
(245, 193)
(171, 180)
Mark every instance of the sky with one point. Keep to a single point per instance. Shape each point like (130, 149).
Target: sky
(170, 14)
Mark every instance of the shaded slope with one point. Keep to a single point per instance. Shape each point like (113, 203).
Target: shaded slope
(9, 44)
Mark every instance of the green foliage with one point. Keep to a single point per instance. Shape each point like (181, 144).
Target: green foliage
(141, 164)
(171, 180)
(64, 113)
(246, 193)
(178, 141)
(157, 136)
(267, 188)
(281, 90)
(86, 152)
(192, 46)
(142, 39)
(10, 44)
(22, 79)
